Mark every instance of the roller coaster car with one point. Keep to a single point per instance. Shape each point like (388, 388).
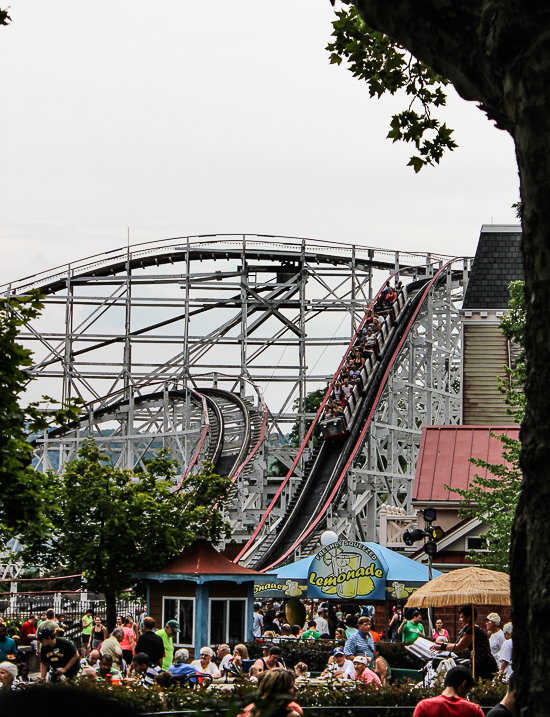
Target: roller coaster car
(333, 428)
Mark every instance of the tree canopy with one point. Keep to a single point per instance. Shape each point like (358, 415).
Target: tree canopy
(108, 523)
(388, 67)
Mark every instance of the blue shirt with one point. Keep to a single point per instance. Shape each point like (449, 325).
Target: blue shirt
(181, 669)
(358, 644)
(7, 648)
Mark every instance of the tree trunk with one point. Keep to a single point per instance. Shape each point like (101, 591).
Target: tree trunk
(498, 53)
(110, 602)
(531, 533)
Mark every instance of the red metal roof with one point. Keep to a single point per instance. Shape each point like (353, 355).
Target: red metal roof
(443, 458)
(201, 558)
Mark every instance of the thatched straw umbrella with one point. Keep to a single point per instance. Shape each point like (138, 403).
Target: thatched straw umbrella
(467, 586)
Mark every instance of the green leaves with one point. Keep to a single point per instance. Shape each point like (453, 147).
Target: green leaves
(21, 493)
(387, 67)
(110, 523)
(493, 499)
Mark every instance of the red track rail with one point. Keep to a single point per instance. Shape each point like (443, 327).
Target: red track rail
(311, 428)
(334, 491)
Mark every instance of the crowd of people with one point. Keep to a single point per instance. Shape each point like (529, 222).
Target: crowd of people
(366, 348)
(137, 652)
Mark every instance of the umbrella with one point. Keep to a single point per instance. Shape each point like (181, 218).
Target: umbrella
(470, 586)
(467, 586)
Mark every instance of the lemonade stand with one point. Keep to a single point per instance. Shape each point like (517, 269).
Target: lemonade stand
(349, 571)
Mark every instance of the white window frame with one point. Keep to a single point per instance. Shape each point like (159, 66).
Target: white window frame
(180, 597)
(226, 601)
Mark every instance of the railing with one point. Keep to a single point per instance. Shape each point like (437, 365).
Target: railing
(393, 523)
(217, 243)
(20, 606)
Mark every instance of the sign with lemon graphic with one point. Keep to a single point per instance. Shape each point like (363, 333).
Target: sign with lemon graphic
(347, 570)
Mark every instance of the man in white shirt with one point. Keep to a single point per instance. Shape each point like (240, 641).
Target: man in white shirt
(223, 653)
(496, 636)
(505, 656)
(320, 619)
(346, 388)
(340, 668)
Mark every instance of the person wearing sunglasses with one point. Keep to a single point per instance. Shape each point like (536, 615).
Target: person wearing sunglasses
(205, 664)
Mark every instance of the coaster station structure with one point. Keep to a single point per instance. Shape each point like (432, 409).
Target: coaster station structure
(210, 345)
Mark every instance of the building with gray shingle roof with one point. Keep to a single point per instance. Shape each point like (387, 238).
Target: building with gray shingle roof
(497, 262)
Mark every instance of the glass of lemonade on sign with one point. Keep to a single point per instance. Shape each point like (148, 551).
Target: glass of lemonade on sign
(341, 564)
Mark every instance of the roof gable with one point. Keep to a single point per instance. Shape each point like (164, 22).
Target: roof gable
(201, 558)
(444, 454)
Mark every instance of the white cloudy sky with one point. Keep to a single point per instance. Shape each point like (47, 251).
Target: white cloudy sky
(180, 117)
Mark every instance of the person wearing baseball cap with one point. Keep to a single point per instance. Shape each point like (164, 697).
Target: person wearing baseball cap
(363, 673)
(340, 668)
(57, 654)
(496, 636)
(167, 634)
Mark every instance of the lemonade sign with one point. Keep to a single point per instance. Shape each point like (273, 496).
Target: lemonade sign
(347, 570)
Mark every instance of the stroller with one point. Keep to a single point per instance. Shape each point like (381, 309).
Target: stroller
(436, 665)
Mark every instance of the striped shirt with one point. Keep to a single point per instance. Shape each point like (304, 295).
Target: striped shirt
(148, 677)
(360, 644)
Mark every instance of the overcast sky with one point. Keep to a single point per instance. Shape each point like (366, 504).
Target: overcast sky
(180, 117)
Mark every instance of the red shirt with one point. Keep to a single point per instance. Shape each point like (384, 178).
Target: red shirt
(444, 706)
(26, 630)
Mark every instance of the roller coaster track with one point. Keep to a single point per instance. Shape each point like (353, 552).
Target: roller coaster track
(327, 469)
(127, 329)
(230, 433)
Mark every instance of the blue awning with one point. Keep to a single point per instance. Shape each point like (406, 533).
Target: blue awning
(402, 577)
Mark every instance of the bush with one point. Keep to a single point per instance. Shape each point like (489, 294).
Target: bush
(316, 654)
(13, 627)
(335, 695)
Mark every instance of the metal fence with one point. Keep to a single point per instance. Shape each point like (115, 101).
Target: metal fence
(20, 606)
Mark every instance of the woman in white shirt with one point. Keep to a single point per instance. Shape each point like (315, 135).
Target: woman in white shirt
(205, 663)
(505, 655)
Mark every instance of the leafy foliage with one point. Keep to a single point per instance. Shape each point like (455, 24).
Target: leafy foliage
(513, 327)
(312, 401)
(335, 695)
(110, 523)
(493, 499)
(387, 67)
(21, 489)
(517, 206)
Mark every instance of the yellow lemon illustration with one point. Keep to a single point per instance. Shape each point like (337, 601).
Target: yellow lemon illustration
(365, 586)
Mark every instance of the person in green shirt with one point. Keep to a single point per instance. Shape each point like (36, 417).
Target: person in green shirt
(87, 622)
(411, 629)
(311, 633)
(166, 634)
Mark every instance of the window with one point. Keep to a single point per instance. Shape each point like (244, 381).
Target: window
(181, 610)
(227, 621)
(476, 543)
